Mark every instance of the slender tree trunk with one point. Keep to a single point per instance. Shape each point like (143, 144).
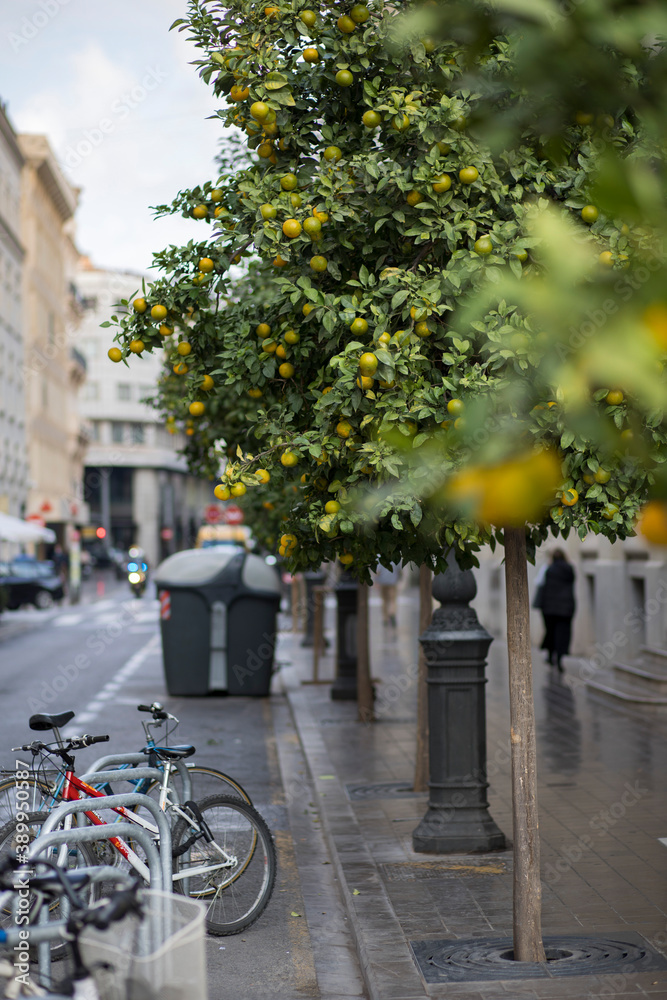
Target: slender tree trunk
(364, 684)
(528, 946)
(425, 614)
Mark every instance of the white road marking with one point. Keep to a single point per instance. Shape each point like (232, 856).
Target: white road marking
(67, 620)
(663, 841)
(97, 703)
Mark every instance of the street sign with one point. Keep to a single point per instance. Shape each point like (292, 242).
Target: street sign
(232, 514)
(36, 519)
(213, 514)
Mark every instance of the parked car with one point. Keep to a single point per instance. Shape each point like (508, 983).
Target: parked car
(28, 581)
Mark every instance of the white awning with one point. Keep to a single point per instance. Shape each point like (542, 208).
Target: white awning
(13, 529)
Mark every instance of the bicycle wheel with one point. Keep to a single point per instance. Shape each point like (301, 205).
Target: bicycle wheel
(206, 781)
(241, 859)
(31, 795)
(78, 856)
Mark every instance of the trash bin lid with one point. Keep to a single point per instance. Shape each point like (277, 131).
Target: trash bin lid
(195, 566)
(257, 575)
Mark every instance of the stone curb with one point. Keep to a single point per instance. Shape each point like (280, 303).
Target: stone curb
(385, 958)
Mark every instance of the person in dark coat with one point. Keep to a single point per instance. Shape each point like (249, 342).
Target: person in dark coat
(557, 605)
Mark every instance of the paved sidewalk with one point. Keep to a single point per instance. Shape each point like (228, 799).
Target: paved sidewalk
(601, 808)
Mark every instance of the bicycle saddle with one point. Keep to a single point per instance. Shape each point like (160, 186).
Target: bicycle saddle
(172, 753)
(43, 722)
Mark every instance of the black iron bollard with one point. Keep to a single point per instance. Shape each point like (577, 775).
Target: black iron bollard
(344, 687)
(312, 579)
(455, 646)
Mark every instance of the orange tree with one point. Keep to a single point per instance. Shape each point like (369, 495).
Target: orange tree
(341, 362)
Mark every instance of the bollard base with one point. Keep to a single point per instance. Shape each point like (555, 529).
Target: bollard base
(344, 689)
(472, 833)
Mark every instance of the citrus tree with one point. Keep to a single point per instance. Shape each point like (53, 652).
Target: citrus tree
(340, 376)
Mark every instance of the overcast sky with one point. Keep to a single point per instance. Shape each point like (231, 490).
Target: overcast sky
(111, 87)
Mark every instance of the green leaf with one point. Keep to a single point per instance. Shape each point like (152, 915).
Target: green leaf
(567, 437)
(399, 298)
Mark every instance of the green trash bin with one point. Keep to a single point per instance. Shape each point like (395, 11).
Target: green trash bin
(218, 618)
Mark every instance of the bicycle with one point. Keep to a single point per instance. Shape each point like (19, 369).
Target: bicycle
(222, 850)
(46, 790)
(156, 950)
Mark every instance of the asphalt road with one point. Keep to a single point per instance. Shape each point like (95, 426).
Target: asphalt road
(101, 659)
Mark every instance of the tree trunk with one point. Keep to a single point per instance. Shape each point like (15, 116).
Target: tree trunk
(364, 684)
(528, 946)
(425, 615)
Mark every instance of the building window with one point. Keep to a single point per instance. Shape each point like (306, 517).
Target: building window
(91, 390)
(123, 391)
(117, 432)
(138, 435)
(94, 430)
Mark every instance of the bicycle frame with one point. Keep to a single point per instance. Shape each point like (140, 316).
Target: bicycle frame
(74, 786)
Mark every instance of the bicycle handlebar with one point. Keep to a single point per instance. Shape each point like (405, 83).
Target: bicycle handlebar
(157, 711)
(75, 743)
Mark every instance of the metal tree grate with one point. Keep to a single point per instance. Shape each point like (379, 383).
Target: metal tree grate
(485, 959)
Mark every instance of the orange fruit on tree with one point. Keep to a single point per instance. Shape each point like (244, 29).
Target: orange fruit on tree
(279, 261)
(606, 258)
(295, 199)
(365, 382)
(216, 194)
(137, 346)
(368, 363)
(653, 522)
(263, 330)
(281, 352)
(238, 489)
(400, 123)
(371, 119)
(311, 55)
(222, 492)
(359, 325)
(360, 13)
(205, 265)
(344, 78)
(265, 150)
(483, 246)
(200, 211)
(312, 227)
(333, 154)
(318, 263)
(422, 329)
(263, 475)
(115, 354)
(589, 214)
(207, 383)
(259, 111)
(468, 175)
(180, 368)
(268, 211)
(307, 308)
(602, 476)
(441, 183)
(609, 511)
(292, 228)
(343, 428)
(289, 459)
(291, 337)
(346, 558)
(614, 397)
(413, 198)
(270, 346)
(140, 305)
(345, 24)
(159, 312)
(289, 181)
(569, 497)
(655, 318)
(309, 17)
(255, 393)
(196, 409)
(331, 507)
(286, 370)
(184, 348)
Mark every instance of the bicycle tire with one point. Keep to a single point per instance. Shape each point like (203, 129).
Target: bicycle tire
(205, 782)
(81, 853)
(237, 894)
(9, 803)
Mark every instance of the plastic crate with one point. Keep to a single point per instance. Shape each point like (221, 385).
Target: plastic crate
(158, 957)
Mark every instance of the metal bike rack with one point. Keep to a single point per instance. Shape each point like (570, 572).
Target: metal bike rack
(92, 833)
(163, 871)
(114, 760)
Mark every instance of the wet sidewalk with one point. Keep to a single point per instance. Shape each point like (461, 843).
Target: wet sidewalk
(601, 808)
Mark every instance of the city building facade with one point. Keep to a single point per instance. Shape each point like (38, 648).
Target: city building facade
(53, 369)
(138, 487)
(13, 453)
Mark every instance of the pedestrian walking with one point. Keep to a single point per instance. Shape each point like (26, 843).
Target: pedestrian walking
(555, 599)
(388, 580)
